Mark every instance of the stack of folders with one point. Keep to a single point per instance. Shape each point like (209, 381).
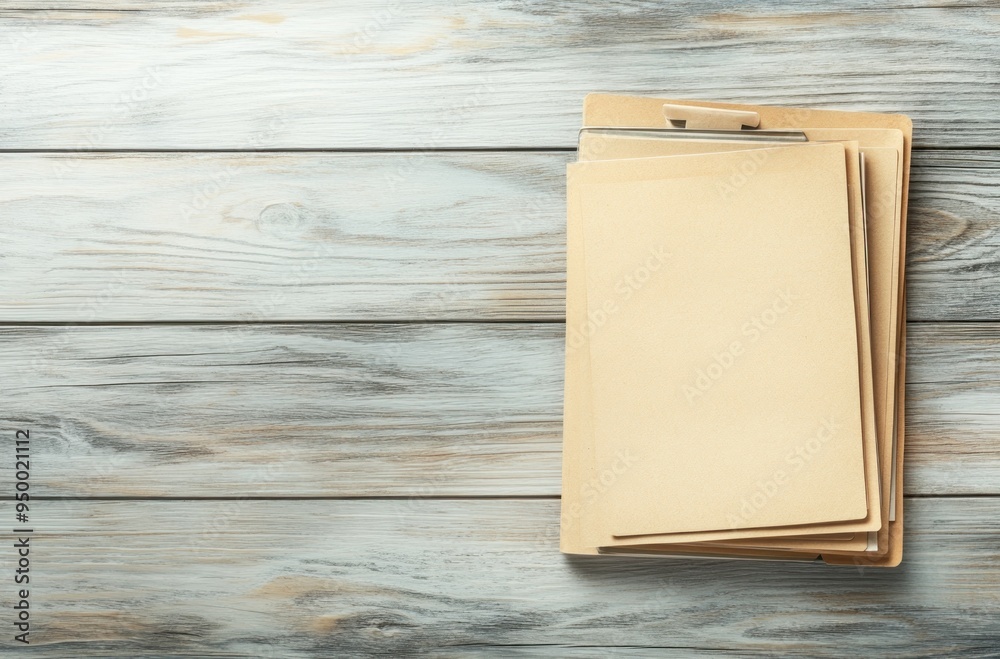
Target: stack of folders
(735, 332)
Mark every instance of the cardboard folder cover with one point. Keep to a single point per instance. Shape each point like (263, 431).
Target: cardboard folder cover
(873, 131)
(885, 143)
(882, 149)
(757, 287)
(883, 184)
(572, 449)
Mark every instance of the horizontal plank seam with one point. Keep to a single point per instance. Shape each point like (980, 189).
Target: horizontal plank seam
(78, 9)
(282, 150)
(375, 497)
(886, 8)
(403, 497)
(401, 150)
(240, 323)
(384, 321)
(170, 10)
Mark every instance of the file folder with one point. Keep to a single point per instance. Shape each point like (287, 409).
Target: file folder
(657, 167)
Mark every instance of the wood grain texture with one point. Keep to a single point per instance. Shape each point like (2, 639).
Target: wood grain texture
(357, 578)
(283, 237)
(437, 443)
(241, 74)
(295, 236)
(383, 410)
(250, 410)
(953, 241)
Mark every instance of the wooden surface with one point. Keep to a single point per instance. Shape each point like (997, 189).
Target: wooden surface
(342, 410)
(336, 578)
(281, 301)
(387, 236)
(460, 73)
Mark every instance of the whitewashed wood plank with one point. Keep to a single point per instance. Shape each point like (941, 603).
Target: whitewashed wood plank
(355, 578)
(282, 237)
(425, 74)
(134, 237)
(383, 410)
(953, 250)
(252, 410)
(953, 406)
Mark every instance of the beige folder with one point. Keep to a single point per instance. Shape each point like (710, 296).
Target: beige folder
(625, 408)
(608, 110)
(883, 166)
(871, 130)
(882, 149)
(612, 147)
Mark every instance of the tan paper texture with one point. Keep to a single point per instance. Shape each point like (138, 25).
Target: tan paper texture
(803, 220)
(634, 111)
(882, 171)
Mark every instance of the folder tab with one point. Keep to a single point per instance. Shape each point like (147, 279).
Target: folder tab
(697, 117)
